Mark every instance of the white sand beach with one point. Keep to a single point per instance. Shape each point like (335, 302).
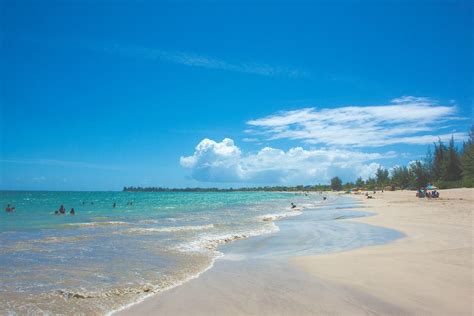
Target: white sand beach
(430, 271)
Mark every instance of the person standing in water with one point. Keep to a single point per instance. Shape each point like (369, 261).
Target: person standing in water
(72, 212)
(114, 205)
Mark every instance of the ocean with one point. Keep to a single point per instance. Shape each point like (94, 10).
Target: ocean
(104, 258)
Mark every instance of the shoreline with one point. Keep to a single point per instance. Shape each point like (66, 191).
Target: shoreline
(266, 218)
(149, 296)
(421, 273)
(173, 300)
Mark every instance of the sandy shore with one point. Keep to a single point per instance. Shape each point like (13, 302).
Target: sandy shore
(430, 271)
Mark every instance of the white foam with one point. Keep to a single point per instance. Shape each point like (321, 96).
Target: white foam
(210, 242)
(167, 229)
(93, 224)
(278, 216)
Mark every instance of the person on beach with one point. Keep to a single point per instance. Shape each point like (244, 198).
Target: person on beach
(72, 212)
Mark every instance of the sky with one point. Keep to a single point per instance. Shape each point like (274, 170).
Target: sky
(97, 95)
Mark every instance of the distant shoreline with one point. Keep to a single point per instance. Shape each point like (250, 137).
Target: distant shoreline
(250, 189)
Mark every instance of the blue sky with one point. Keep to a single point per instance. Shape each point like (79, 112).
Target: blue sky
(96, 95)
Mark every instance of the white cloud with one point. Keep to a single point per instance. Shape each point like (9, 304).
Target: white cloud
(192, 59)
(406, 120)
(224, 162)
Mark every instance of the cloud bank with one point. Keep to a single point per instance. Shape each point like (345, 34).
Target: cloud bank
(406, 120)
(225, 162)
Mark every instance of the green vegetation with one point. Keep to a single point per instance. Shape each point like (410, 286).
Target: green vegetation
(447, 168)
(336, 184)
(318, 187)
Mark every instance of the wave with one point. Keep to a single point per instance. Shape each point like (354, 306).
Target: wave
(32, 245)
(148, 288)
(53, 239)
(211, 242)
(94, 224)
(149, 221)
(278, 216)
(167, 229)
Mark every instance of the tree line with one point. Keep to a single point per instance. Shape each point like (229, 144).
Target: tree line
(445, 166)
(297, 188)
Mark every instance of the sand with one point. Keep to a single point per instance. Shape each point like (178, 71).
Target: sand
(430, 271)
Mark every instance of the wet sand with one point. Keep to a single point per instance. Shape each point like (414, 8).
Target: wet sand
(259, 287)
(430, 271)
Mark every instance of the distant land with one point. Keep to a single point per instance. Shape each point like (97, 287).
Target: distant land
(246, 189)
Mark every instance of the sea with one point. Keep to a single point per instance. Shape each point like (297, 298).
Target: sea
(122, 247)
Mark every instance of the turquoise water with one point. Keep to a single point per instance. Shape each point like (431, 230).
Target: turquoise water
(104, 257)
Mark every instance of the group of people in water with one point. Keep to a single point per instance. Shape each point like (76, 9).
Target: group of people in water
(62, 211)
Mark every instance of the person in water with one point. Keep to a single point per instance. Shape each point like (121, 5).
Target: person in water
(72, 212)
(9, 208)
(293, 205)
(62, 209)
(114, 205)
